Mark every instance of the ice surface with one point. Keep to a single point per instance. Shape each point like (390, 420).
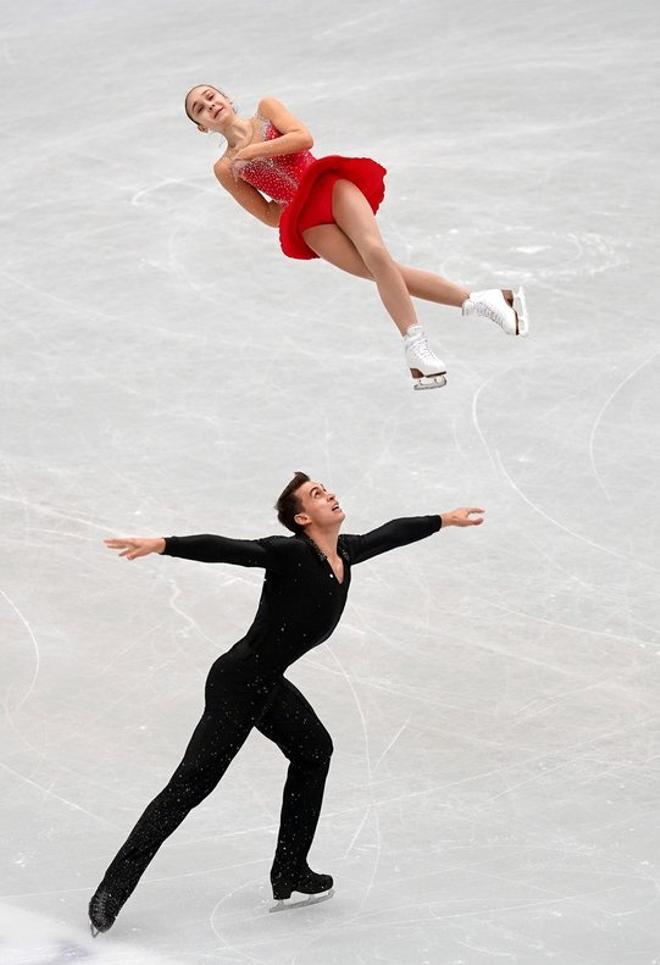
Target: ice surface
(492, 693)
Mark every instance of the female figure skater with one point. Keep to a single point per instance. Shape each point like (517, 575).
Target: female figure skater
(304, 592)
(326, 209)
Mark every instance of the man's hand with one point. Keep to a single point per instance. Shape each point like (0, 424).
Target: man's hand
(132, 548)
(463, 517)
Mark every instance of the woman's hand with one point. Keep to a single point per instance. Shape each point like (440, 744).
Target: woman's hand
(236, 167)
(463, 517)
(248, 153)
(132, 548)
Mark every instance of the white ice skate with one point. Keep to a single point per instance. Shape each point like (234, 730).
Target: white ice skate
(506, 308)
(427, 370)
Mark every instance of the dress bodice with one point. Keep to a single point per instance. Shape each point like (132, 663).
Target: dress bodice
(278, 176)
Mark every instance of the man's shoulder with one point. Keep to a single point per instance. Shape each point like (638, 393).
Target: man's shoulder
(283, 553)
(282, 544)
(346, 542)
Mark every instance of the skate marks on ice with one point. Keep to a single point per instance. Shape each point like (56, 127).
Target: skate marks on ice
(496, 864)
(35, 646)
(239, 911)
(605, 406)
(30, 939)
(170, 192)
(532, 255)
(519, 459)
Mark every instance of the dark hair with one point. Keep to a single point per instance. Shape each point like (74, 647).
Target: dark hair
(185, 100)
(288, 504)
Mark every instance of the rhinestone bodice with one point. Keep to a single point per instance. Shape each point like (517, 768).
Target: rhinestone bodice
(278, 177)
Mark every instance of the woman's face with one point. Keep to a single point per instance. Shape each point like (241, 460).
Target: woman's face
(210, 109)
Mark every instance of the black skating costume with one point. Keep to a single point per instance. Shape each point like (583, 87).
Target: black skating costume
(301, 603)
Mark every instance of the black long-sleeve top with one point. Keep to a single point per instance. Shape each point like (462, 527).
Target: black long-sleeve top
(301, 599)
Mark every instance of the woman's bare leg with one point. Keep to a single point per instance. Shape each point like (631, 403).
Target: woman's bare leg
(352, 213)
(354, 244)
(433, 288)
(330, 243)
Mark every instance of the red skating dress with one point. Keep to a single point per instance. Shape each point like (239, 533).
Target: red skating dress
(304, 185)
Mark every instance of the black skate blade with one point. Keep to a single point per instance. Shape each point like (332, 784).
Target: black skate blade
(94, 931)
(300, 901)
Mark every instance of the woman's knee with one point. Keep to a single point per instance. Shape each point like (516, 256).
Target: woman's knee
(330, 243)
(376, 256)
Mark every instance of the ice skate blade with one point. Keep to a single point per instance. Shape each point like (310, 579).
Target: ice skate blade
(516, 301)
(520, 308)
(429, 382)
(94, 931)
(300, 901)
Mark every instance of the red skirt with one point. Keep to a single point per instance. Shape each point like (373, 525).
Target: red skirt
(311, 205)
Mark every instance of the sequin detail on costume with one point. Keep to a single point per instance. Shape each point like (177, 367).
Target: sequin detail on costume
(304, 186)
(279, 176)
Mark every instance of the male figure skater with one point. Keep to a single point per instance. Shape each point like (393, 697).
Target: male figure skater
(304, 592)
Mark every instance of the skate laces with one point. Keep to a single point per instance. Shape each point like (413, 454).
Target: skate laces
(419, 344)
(490, 312)
(487, 309)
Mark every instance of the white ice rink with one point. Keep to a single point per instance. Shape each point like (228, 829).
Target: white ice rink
(492, 693)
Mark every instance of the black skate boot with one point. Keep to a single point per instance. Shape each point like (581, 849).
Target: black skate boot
(305, 882)
(104, 907)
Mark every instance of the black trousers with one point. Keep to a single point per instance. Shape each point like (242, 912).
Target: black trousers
(234, 705)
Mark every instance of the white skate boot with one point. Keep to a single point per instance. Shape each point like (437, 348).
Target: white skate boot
(506, 308)
(427, 370)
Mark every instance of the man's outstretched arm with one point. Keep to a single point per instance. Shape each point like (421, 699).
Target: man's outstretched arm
(409, 529)
(205, 549)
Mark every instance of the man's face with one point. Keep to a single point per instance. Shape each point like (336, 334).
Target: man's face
(318, 505)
